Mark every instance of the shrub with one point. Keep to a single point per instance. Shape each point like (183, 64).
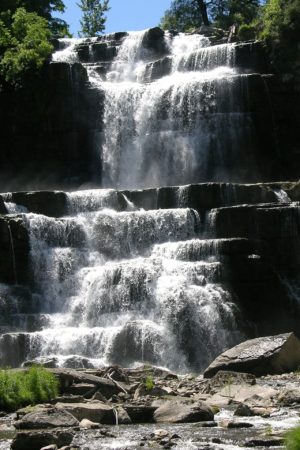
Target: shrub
(247, 32)
(22, 388)
(149, 383)
(292, 439)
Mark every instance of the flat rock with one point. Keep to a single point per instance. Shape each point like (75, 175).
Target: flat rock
(94, 411)
(35, 440)
(261, 356)
(48, 418)
(251, 395)
(80, 389)
(225, 378)
(183, 411)
(289, 397)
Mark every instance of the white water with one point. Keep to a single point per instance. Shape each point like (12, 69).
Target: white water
(127, 287)
(184, 126)
(282, 196)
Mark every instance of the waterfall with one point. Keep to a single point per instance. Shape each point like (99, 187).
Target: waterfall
(165, 132)
(125, 287)
(171, 115)
(116, 284)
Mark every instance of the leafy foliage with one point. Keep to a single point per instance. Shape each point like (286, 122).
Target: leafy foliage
(280, 29)
(228, 12)
(24, 46)
(182, 16)
(18, 388)
(43, 8)
(149, 383)
(247, 32)
(93, 20)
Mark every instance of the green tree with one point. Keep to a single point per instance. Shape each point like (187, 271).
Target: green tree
(44, 8)
(24, 46)
(185, 14)
(182, 16)
(228, 12)
(280, 30)
(93, 19)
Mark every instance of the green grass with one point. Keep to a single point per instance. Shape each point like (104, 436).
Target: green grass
(149, 383)
(22, 388)
(292, 439)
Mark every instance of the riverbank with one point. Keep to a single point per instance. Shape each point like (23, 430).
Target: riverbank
(149, 408)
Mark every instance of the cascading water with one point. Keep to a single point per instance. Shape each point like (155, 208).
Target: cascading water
(172, 131)
(116, 284)
(126, 287)
(176, 120)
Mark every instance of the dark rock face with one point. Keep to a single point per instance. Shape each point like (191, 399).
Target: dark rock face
(252, 58)
(260, 356)
(202, 197)
(140, 413)
(3, 209)
(50, 143)
(14, 251)
(154, 41)
(48, 203)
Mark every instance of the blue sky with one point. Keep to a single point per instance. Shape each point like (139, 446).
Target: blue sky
(124, 15)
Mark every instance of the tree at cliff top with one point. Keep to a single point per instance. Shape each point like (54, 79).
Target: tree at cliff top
(93, 19)
(279, 27)
(186, 14)
(24, 45)
(44, 8)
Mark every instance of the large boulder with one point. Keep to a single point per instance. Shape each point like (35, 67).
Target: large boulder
(35, 440)
(260, 356)
(94, 411)
(183, 411)
(48, 418)
(154, 42)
